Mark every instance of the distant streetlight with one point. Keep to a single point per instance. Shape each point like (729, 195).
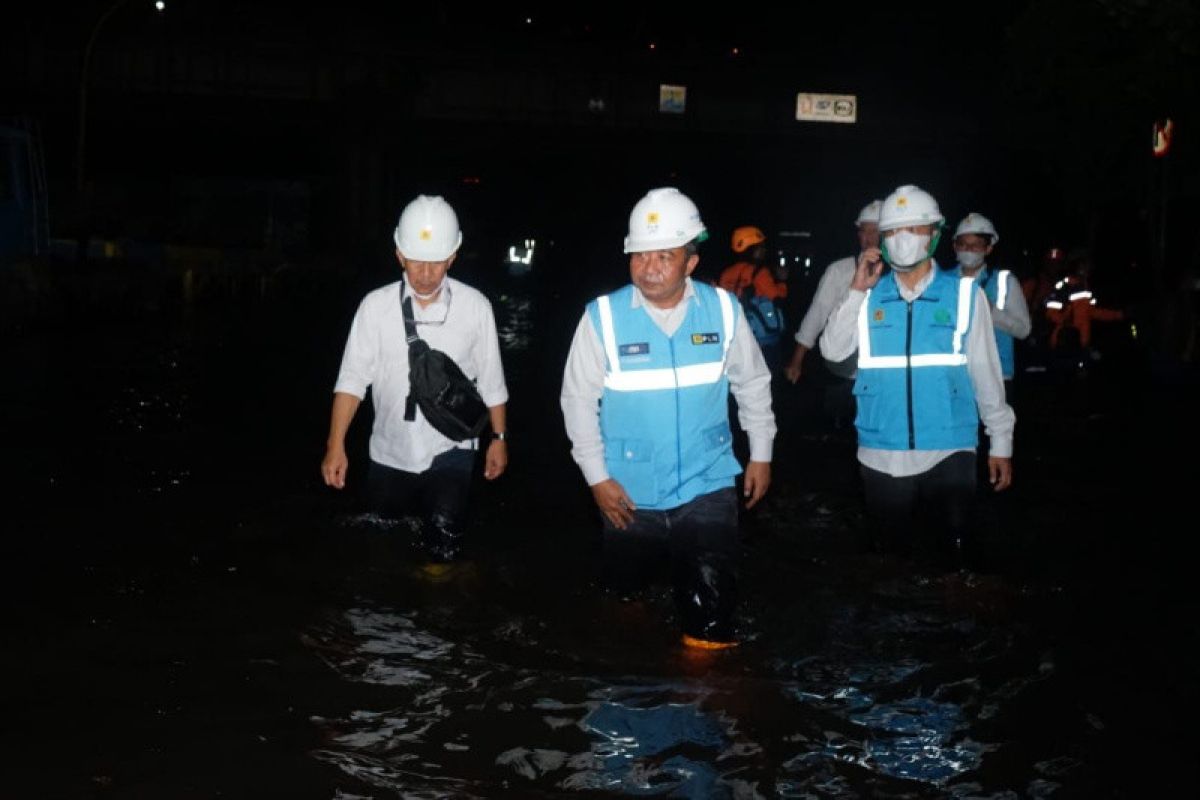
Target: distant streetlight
(160, 5)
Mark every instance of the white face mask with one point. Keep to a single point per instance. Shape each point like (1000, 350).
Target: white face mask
(970, 259)
(906, 249)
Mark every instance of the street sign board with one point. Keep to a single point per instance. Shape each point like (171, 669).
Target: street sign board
(827, 107)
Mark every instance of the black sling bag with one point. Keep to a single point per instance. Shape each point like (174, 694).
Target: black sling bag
(448, 398)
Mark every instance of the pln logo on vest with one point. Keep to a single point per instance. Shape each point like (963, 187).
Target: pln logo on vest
(879, 315)
(706, 338)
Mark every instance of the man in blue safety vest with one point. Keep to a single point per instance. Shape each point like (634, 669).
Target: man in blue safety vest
(645, 400)
(928, 372)
(974, 239)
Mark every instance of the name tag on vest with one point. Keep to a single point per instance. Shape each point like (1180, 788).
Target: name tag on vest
(706, 338)
(635, 349)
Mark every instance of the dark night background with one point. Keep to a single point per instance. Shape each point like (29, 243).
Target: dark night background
(192, 614)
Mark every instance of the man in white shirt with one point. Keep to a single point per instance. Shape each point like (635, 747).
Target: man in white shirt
(837, 397)
(831, 290)
(645, 399)
(928, 372)
(415, 470)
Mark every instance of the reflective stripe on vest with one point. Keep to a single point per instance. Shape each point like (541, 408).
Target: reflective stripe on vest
(1002, 289)
(643, 380)
(957, 358)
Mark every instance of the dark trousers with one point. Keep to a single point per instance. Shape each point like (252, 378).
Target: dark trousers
(698, 543)
(931, 511)
(437, 498)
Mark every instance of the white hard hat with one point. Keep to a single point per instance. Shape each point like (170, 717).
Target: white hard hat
(977, 224)
(909, 205)
(663, 219)
(428, 230)
(870, 213)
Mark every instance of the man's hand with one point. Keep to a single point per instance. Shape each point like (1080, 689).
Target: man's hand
(614, 503)
(756, 481)
(1000, 472)
(793, 369)
(333, 467)
(496, 459)
(868, 269)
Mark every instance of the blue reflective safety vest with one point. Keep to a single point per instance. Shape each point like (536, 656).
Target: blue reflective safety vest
(664, 413)
(913, 390)
(995, 284)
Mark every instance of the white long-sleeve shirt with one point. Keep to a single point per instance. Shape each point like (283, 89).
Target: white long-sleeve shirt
(460, 323)
(583, 386)
(831, 290)
(840, 339)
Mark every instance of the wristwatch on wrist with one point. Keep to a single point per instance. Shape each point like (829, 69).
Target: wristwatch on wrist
(501, 435)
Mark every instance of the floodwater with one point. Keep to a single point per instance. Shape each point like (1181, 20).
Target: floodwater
(191, 613)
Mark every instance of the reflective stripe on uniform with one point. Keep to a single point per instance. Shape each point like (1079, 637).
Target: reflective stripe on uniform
(642, 380)
(1002, 289)
(957, 358)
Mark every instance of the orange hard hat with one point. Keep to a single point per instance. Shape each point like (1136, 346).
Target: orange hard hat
(746, 237)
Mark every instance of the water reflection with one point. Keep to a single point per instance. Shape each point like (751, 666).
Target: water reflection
(514, 322)
(825, 726)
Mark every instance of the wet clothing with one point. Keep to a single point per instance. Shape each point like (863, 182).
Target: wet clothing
(415, 469)
(698, 543)
(646, 404)
(840, 339)
(913, 390)
(1010, 313)
(437, 496)
(937, 504)
(663, 411)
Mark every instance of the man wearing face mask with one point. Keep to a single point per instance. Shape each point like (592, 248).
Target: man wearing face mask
(928, 371)
(416, 471)
(974, 240)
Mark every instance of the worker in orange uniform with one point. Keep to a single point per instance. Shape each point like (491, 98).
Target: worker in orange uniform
(1072, 308)
(759, 285)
